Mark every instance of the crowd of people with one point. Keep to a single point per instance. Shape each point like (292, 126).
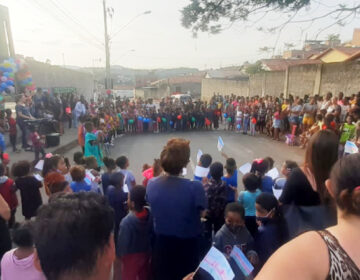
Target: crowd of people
(163, 227)
(291, 119)
(100, 222)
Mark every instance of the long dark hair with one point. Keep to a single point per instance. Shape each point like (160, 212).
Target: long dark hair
(321, 154)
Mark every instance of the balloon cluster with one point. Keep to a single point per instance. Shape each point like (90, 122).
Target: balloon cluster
(144, 120)
(7, 76)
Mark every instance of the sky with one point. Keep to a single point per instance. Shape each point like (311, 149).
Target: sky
(72, 33)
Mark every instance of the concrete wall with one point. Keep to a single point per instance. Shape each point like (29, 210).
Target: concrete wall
(302, 80)
(224, 87)
(274, 83)
(338, 77)
(49, 76)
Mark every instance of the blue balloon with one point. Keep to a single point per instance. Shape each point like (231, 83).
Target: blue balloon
(171, 122)
(9, 69)
(10, 83)
(11, 60)
(2, 68)
(6, 74)
(140, 118)
(238, 126)
(225, 115)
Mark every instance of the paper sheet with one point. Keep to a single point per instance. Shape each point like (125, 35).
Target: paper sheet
(199, 154)
(273, 173)
(125, 188)
(245, 168)
(38, 177)
(216, 264)
(201, 171)
(184, 171)
(40, 165)
(351, 148)
(220, 144)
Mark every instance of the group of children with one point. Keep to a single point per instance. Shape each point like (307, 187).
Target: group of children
(231, 219)
(250, 219)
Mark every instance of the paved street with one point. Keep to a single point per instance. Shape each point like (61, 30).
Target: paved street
(143, 148)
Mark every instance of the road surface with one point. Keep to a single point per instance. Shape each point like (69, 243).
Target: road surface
(143, 148)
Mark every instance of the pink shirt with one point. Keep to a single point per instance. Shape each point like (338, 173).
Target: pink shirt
(12, 268)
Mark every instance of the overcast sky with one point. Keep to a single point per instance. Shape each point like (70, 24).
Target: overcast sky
(53, 29)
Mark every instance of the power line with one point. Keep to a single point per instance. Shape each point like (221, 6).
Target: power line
(59, 19)
(66, 13)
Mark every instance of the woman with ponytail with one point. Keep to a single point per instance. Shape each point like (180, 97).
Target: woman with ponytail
(332, 253)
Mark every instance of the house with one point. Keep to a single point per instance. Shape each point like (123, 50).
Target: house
(339, 54)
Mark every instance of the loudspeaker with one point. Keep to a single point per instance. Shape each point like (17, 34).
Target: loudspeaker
(53, 139)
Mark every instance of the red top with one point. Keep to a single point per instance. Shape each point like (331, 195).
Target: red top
(12, 126)
(8, 193)
(36, 140)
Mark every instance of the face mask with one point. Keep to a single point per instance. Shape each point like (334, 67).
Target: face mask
(234, 229)
(262, 220)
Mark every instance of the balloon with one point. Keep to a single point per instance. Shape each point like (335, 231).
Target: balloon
(3, 79)
(164, 120)
(158, 119)
(9, 69)
(108, 91)
(179, 117)
(11, 75)
(171, 122)
(238, 126)
(225, 115)
(6, 74)
(11, 79)
(207, 121)
(9, 83)
(131, 121)
(229, 119)
(140, 118)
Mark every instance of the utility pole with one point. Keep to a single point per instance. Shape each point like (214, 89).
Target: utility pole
(107, 50)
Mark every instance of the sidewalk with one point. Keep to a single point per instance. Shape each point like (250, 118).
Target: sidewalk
(67, 141)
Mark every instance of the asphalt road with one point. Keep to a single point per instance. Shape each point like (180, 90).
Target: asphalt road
(143, 148)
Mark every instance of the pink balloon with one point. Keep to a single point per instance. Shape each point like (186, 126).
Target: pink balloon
(3, 79)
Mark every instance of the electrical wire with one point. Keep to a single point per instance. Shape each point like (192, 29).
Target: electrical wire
(61, 20)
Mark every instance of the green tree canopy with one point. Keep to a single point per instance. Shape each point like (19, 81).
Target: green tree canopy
(206, 15)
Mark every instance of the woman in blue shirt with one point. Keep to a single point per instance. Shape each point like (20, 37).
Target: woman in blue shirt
(176, 205)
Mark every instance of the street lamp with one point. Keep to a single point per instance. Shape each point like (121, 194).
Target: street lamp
(130, 21)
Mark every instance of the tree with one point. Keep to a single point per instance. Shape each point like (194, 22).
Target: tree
(208, 15)
(266, 49)
(254, 68)
(289, 46)
(333, 37)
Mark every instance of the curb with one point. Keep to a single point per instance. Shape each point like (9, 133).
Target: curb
(62, 149)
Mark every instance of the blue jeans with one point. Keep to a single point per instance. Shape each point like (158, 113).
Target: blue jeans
(246, 124)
